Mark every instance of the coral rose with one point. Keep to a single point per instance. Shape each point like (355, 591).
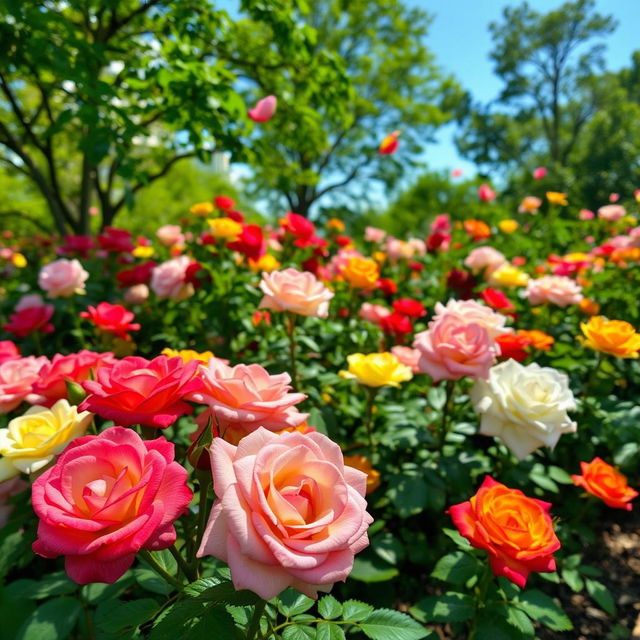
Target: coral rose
(477, 229)
(288, 513)
(17, 376)
(558, 290)
(537, 339)
(407, 356)
(32, 441)
(245, 397)
(106, 498)
(377, 370)
(615, 337)
(526, 407)
(515, 530)
(296, 291)
(603, 481)
(111, 318)
(62, 278)
(139, 391)
(373, 313)
(75, 367)
(452, 348)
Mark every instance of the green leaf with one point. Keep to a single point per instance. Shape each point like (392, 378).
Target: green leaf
(355, 611)
(11, 547)
(450, 607)
(367, 568)
(54, 584)
(329, 608)
(174, 621)
(328, 631)
(492, 624)
(387, 624)
(218, 590)
(299, 632)
(98, 592)
(218, 620)
(115, 615)
(573, 579)
(54, 620)
(291, 602)
(408, 493)
(460, 540)
(544, 481)
(559, 475)
(542, 608)
(388, 547)
(520, 620)
(456, 567)
(151, 581)
(601, 595)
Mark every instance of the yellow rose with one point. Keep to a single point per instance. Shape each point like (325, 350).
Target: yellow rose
(615, 337)
(363, 464)
(188, 355)
(556, 197)
(509, 276)
(267, 263)
(335, 224)
(508, 226)
(142, 252)
(202, 209)
(377, 369)
(225, 228)
(361, 273)
(33, 440)
(19, 261)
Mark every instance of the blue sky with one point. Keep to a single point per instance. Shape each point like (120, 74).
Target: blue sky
(460, 39)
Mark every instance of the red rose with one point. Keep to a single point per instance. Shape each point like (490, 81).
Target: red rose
(409, 307)
(76, 245)
(438, 240)
(513, 346)
(139, 391)
(26, 321)
(388, 286)
(235, 215)
(497, 300)
(224, 202)
(112, 318)
(396, 324)
(462, 282)
(140, 274)
(116, 240)
(250, 242)
(76, 367)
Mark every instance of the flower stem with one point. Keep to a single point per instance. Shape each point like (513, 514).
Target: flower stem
(188, 571)
(480, 596)
(254, 625)
(446, 410)
(291, 332)
(151, 561)
(371, 396)
(205, 480)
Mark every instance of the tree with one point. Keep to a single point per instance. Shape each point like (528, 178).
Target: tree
(546, 62)
(99, 98)
(321, 144)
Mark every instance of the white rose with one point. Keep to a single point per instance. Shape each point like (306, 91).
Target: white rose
(526, 407)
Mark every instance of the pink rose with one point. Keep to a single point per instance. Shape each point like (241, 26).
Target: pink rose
(539, 173)
(398, 249)
(137, 294)
(245, 397)
(17, 376)
(29, 301)
(373, 313)
(474, 312)
(296, 291)
(288, 513)
(170, 234)
(9, 488)
(8, 350)
(106, 498)
(419, 246)
(485, 259)
(486, 193)
(585, 214)
(264, 109)
(612, 212)
(375, 235)
(62, 278)
(168, 280)
(452, 348)
(558, 290)
(407, 356)
(441, 223)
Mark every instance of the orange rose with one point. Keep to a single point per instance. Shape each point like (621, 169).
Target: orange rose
(538, 339)
(362, 463)
(615, 337)
(603, 481)
(589, 307)
(477, 229)
(361, 273)
(515, 530)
